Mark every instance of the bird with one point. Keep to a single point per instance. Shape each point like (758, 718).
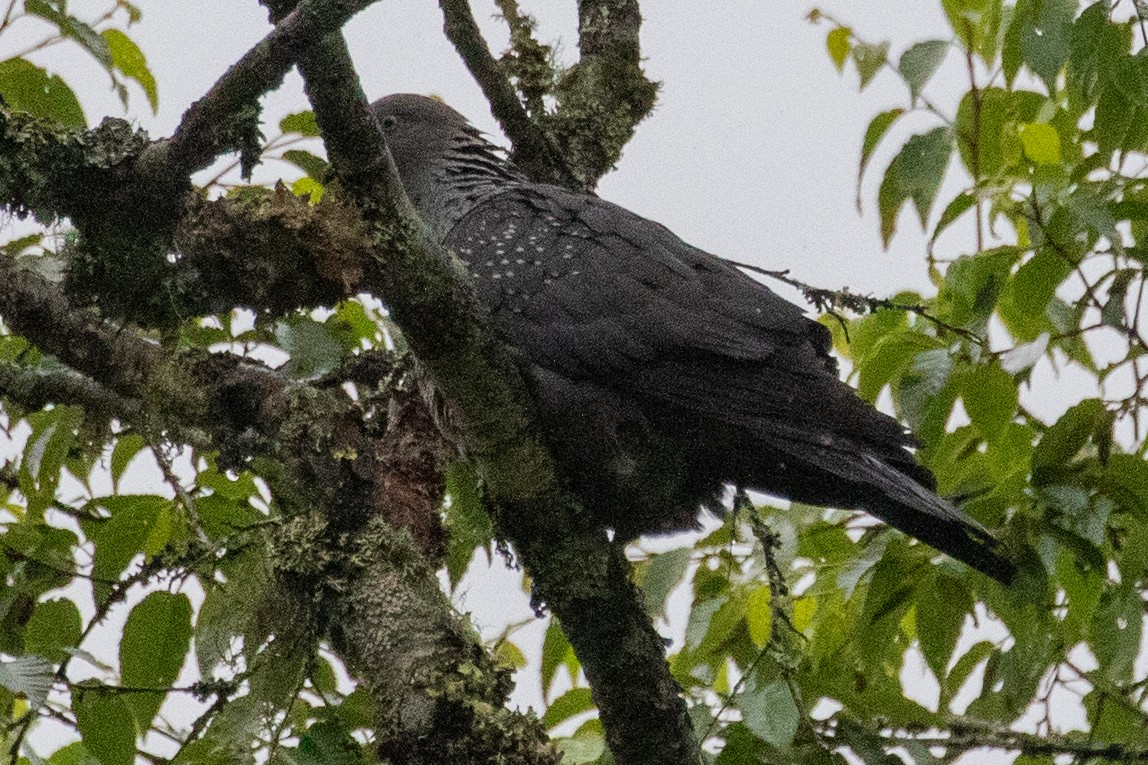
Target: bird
(662, 373)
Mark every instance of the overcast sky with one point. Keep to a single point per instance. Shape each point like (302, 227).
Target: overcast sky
(751, 152)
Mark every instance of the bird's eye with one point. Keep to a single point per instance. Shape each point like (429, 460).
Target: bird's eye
(390, 121)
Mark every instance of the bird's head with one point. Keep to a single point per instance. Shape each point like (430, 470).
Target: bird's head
(421, 132)
(445, 164)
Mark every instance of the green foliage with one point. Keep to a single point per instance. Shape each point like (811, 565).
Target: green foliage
(466, 520)
(27, 87)
(152, 651)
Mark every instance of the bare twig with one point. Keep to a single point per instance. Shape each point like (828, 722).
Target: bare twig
(824, 299)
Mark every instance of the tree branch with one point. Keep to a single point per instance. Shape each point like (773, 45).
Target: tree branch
(532, 149)
(603, 97)
(576, 571)
(208, 126)
(966, 735)
(367, 568)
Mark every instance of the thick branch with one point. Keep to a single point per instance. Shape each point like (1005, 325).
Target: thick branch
(532, 149)
(576, 571)
(119, 361)
(436, 310)
(603, 97)
(34, 389)
(207, 127)
(421, 656)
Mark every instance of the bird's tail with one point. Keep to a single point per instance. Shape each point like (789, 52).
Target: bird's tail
(864, 481)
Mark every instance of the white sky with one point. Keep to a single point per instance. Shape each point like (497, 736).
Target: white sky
(751, 152)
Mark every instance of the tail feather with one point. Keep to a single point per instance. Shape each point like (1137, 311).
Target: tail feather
(895, 498)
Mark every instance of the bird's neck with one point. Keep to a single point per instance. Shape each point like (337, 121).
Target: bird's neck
(471, 171)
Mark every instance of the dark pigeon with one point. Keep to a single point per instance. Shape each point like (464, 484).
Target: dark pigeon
(662, 372)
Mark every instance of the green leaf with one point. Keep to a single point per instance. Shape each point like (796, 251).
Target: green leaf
(661, 575)
(873, 547)
(869, 60)
(741, 747)
(990, 397)
(916, 174)
(942, 604)
(976, 24)
(920, 62)
(1021, 358)
(1119, 124)
(54, 11)
(759, 615)
(53, 434)
(960, 204)
(510, 654)
(466, 522)
(302, 123)
(714, 621)
(570, 704)
(55, 626)
(222, 516)
(839, 44)
(1125, 481)
(970, 659)
(314, 352)
(327, 743)
(308, 187)
(127, 57)
(1115, 632)
(105, 724)
(768, 709)
(888, 359)
(138, 523)
(1043, 30)
(230, 610)
(323, 677)
(1098, 47)
(354, 327)
(994, 148)
(72, 754)
(26, 87)
(1083, 589)
(312, 165)
(1061, 443)
(156, 639)
(878, 126)
(1112, 312)
(973, 285)
(1041, 142)
(582, 748)
(922, 396)
(358, 709)
(28, 676)
(1024, 303)
(126, 448)
(890, 593)
(556, 653)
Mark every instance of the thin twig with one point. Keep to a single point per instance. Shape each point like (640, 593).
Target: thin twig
(824, 299)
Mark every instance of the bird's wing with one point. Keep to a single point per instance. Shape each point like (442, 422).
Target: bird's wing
(592, 291)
